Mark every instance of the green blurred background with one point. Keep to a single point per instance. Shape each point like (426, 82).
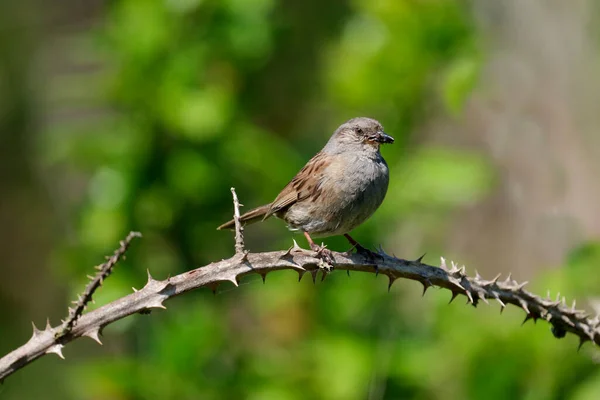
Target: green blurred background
(141, 114)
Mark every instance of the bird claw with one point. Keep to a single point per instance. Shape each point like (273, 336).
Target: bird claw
(324, 255)
(325, 266)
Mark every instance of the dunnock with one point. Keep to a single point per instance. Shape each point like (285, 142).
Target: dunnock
(337, 190)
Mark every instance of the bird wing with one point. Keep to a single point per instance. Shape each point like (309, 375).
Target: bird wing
(305, 184)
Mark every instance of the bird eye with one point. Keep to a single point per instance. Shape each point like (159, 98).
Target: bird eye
(359, 130)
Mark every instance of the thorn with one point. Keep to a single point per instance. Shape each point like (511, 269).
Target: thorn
(463, 271)
(314, 275)
(443, 264)
(391, 282)
(295, 245)
(418, 260)
(470, 297)
(156, 303)
(573, 306)
(582, 340)
(457, 284)
(288, 251)
(495, 279)
(295, 267)
(482, 297)
(426, 285)
(232, 279)
(56, 349)
(376, 271)
(90, 277)
(508, 279)
(323, 275)
(48, 326)
(264, 277)
(477, 276)
(527, 318)
(150, 278)
(567, 321)
(454, 294)
(454, 267)
(134, 289)
(521, 285)
(36, 331)
(300, 275)
(348, 273)
(94, 334)
(523, 304)
(502, 305)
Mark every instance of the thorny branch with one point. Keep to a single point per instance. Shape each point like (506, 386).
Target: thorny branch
(562, 318)
(104, 270)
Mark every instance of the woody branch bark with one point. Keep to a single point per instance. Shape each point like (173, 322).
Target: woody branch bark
(239, 229)
(562, 318)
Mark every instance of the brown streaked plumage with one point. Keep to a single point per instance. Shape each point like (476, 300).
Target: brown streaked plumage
(337, 190)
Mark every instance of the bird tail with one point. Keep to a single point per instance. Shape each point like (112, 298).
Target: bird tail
(252, 216)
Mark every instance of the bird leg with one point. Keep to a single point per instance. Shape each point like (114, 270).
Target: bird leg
(322, 252)
(371, 256)
(357, 246)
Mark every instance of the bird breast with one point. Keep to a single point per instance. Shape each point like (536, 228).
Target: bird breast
(350, 189)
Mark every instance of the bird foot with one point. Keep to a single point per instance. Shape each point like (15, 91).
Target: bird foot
(324, 255)
(366, 253)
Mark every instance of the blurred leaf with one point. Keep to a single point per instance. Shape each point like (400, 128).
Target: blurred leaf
(190, 174)
(436, 177)
(460, 80)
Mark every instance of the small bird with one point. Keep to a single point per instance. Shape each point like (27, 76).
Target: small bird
(337, 190)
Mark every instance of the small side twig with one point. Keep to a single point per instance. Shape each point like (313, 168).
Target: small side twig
(239, 229)
(104, 270)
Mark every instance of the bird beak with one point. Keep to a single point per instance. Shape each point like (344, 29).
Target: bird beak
(383, 137)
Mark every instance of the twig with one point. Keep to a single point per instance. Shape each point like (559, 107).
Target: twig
(239, 229)
(104, 270)
(562, 318)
